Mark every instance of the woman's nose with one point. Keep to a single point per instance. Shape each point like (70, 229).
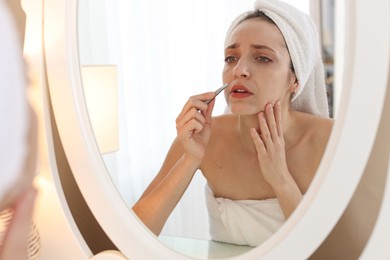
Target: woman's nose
(241, 69)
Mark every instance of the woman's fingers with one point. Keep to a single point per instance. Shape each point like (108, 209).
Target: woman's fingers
(197, 102)
(271, 121)
(209, 111)
(190, 115)
(194, 123)
(192, 126)
(278, 118)
(195, 113)
(270, 145)
(260, 148)
(265, 134)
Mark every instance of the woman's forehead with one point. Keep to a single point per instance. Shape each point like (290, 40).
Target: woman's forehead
(256, 31)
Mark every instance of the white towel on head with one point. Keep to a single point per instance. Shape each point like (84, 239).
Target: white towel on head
(301, 37)
(13, 104)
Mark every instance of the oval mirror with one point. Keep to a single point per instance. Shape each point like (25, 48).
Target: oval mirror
(120, 49)
(106, 193)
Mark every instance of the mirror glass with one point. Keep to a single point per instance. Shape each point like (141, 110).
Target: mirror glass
(140, 61)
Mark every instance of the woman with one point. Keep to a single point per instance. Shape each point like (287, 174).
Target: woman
(260, 159)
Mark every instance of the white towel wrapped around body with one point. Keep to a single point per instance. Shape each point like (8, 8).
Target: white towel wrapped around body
(243, 222)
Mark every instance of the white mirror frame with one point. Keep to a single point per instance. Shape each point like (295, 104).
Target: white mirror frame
(364, 79)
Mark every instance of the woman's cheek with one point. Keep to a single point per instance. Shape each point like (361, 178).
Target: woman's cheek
(227, 94)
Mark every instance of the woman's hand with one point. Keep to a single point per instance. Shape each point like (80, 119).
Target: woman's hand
(193, 125)
(270, 145)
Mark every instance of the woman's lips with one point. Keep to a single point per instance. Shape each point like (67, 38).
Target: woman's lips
(238, 91)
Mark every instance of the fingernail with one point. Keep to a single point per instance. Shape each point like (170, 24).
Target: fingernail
(261, 114)
(253, 131)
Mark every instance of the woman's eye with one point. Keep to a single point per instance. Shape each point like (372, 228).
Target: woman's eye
(263, 59)
(230, 59)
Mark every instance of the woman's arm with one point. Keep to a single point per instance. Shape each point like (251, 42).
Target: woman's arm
(270, 147)
(288, 194)
(183, 159)
(165, 191)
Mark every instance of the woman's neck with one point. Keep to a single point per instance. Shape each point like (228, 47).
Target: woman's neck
(246, 122)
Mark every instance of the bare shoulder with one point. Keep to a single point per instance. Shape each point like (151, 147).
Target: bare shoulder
(318, 129)
(222, 130)
(223, 119)
(223, 123)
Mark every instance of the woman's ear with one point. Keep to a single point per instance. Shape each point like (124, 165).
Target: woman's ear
(294, 87)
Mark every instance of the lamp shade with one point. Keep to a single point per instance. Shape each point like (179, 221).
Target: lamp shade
(101, 95)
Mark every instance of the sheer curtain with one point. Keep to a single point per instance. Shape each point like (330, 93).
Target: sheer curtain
(170, 50)
(165, 51)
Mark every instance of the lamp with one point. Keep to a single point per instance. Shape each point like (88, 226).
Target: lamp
(101, 95)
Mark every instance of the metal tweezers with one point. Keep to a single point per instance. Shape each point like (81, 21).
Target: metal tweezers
(217, 92)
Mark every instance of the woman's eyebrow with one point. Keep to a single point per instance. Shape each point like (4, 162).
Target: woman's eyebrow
(260, 46)
(254, 46)
(232, 46)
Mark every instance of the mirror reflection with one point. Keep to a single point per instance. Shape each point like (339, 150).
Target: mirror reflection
(239, 165)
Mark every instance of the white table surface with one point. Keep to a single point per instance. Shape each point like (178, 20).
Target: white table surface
(203, 249)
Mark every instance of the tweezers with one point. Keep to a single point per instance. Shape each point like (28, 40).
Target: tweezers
(217, 92)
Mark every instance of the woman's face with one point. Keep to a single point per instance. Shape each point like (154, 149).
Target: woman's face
(257, 66)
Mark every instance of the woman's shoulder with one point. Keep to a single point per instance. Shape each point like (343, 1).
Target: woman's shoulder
(224, 117)
(223, 128)
(318, 129)
(223, 120)
(318, 120)
(314, 121)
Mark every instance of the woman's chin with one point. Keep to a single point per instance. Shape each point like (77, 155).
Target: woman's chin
(241, 110)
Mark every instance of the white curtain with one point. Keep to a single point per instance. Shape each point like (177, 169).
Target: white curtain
(165, 51)
(170, 50)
